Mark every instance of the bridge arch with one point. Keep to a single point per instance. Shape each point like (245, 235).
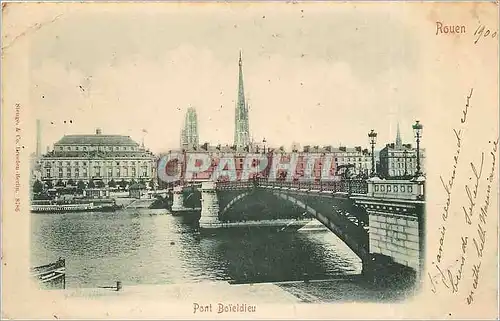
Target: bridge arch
(235, 200)
(354, 237)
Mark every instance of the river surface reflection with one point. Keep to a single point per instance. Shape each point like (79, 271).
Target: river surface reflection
(152, 247)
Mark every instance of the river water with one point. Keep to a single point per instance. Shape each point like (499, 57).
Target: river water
(145, 246)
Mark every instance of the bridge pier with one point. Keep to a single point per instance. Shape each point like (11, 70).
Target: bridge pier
(396, 229)
(209, 207)
(178, 199)
(383, 270)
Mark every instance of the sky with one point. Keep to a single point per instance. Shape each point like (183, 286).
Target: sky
(323, 74)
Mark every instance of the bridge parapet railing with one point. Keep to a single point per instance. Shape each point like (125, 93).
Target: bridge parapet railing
(229, 185)
(397, 189)
(341, 186)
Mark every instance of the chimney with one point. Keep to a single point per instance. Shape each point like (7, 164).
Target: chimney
(98, 131)
(38, 138)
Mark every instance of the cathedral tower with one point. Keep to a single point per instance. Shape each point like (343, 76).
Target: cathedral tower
(189, 133)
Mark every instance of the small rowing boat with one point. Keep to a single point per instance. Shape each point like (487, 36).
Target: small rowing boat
(52, 275)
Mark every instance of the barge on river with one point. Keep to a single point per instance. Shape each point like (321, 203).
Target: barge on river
(86, 206)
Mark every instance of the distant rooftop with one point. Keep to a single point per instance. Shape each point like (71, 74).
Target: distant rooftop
(97, 139)
(393, 146)
(259, 148)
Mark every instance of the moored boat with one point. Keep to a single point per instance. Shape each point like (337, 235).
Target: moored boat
(52, 275)
(73, 207)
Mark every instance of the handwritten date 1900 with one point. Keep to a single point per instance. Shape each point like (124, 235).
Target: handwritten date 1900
(483, 32)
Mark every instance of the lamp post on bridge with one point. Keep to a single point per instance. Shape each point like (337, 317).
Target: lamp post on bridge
(417, 130)
(373, 140)
(264, 143)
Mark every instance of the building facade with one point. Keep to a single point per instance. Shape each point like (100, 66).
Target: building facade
(400, 160)
(356, 159)
(97, 157)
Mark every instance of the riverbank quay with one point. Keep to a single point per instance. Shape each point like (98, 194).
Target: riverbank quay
(196, 292)
(354, 288)
(170, 301)
(211, 300)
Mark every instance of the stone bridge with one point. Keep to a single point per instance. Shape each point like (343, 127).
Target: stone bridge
(381, 221)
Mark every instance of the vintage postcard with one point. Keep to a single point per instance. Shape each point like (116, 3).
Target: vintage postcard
(250, 160)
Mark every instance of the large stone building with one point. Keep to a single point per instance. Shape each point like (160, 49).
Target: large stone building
(97, 157)
(357, 159)
(400, 160)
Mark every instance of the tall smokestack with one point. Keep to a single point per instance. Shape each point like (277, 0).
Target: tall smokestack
(38, 138)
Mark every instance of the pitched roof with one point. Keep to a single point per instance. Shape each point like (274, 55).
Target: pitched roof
(97, 140)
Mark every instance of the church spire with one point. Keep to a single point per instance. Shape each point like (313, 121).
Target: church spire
(241, 89)
(241, 131)
(399, 142)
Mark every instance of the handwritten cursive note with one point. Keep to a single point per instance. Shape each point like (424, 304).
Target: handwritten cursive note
(448, 185)
(473, 195)
(480, 239)
(475, 214)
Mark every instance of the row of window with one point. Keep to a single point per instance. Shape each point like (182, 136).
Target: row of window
(409, 171)
(97, 172)
(401, 165)
(299, 166)
(285, 155)
(302, 162)
(401, 154)
(341, 159)
(402, 160)
(356, 165)
(84, 163)
(108, 169)
(102, 148)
